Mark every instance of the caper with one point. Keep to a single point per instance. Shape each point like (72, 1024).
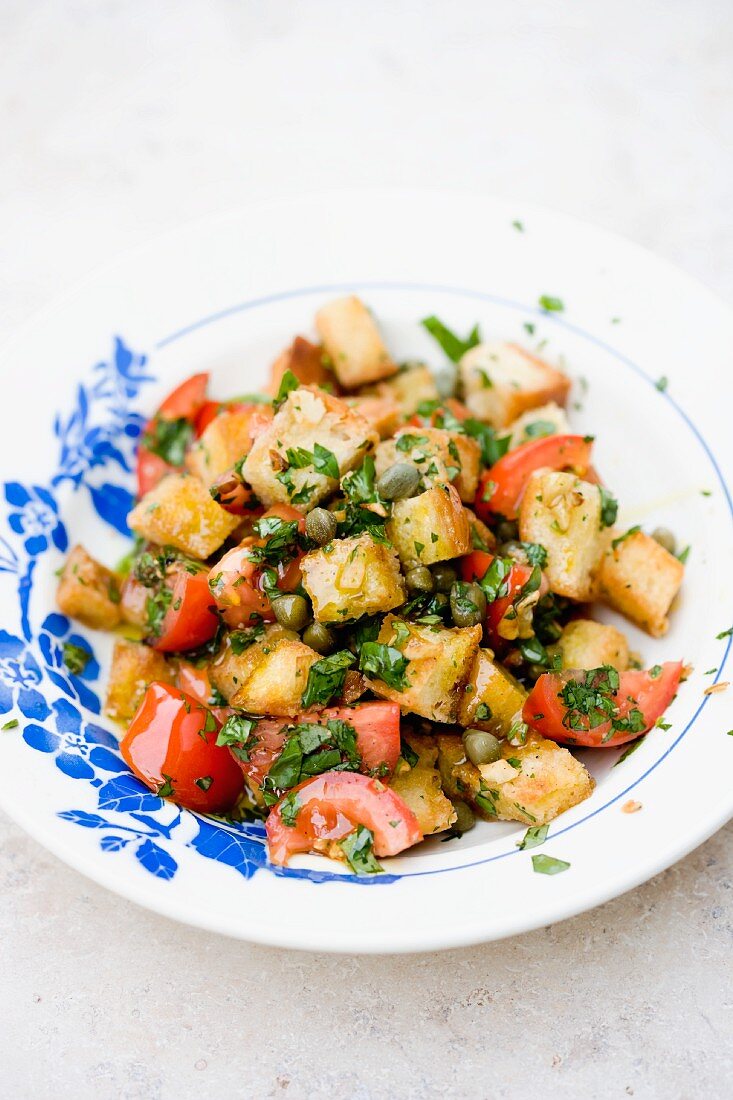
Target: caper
(481, 747)
(398, 481)
(446, 381)
(291, 611)
(665, 538)
(320, 526)
(467, 604)
(506, 530)
(318, 637)
(514, 549)
(465, 817)
(445, 576)
(419, 579)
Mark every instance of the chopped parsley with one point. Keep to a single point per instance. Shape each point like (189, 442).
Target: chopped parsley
(538, 429)
(289, 808)
(493, 446)
(288, 383)
(407, 441)
(519, 226)
(358, 851)
(590, 701)
(326, 678)
(662, 383)
(10, 725)
(168, 439)
(626, 535)
(629, 749)
(548, 865)
(683, 555)
(385, 663)
(311, 749)
(724, 634)
(453, 346)
(320, 459)
(76, 658)
(550, 304)
(242, 639)
(609, 507)
(204, 782)
(166, 790)
(494, 581)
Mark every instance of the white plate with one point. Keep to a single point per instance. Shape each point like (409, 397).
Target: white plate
(225, 295)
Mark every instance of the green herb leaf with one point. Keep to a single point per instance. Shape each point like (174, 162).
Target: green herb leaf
(290, 807)
(358, 850)
(288, 383)
(538, 429)
(684, 555)
(165, 790)
(76, 658)
(550, 304)
(385, 663)
(662, 383)
(627, 534)
(535, 835)
(493, 447)
(628, 750)
(326, 678)
(609, 507)
(169, 439)
(453, 346)
(10, 725)
(548, 865)
(239, 640)
(204, 782)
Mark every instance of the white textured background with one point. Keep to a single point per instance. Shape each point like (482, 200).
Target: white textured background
(120, 119)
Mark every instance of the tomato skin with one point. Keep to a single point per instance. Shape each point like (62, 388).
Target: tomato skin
(194, 682)
(473, 567)
(167, 738)
(331, 805)
(151, 469)
(544, 710)
(184, 402)
(510, 474)
(191, 618)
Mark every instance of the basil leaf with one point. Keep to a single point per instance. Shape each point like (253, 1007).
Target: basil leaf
(326, 678)
(548, 865)
(385, 663)
(358, 850)
(535, 835)
(451, 344)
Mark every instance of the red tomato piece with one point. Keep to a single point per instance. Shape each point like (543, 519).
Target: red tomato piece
(185, 400)
(151, 469)
(191, 617)
(474, 566)
(501, 487)
(330, 806)
(171, 746)
(377, 726)
(195, 682)
(642, 695)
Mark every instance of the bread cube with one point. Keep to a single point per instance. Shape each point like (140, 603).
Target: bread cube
(482, 538)
(179, 512)
(88, 591)
(546, 420)
(309, 364)
(408, 388)
(639, 578)
(430, 527)
(543, 780)
(353, 342)
(309, 418)
(439, 664)
(419, 786)
(563, 513)
(352, 577)
(588, 644)
(268, 677)
(440, 456)
(493, 698)
(381, 413)
(134, 666)
(501, 381)
(223, 442)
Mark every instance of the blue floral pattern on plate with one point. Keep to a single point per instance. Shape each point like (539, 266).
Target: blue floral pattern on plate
(97, 442)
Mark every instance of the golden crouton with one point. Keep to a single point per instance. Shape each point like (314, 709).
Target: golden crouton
(88, 591)
(313, 440)
(408, 388)
(381, 413)
(588, 644)
(430, 527)
(548, 419)
(501, 381)
(493, 699)
(354, 345)
(133, 667)
(639, 578)
(307, 362)
(482, 538)
(563, 513)
(268, 676)
(439, 662)
(223, 442)
(542, 780)
(419, 786)
(440, 456)
(179, 512)
(352, 577)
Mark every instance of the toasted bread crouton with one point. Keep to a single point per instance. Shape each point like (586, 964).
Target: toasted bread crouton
(532, 783)
(268, 677)
(501, 381)
(179, 512)
(353, 342)
(88, 591)
(308, 362)
(639, 578)
(289, 463)
(381, 413)
(588, 644)
(408, 388)
(430, 527)
(419, 786)
(482, 538)
(439, 662)
(563, 513)
(352, 577)
(548, 419)
(226, 440)
(134, 667)
(493, 699)
(440, 456)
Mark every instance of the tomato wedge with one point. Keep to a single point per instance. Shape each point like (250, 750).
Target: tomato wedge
(171, 746)
(600, 708)
(183, 403)
(501, 487)
(330, 806)
(474, 567)
(195, 682)
(191, 617)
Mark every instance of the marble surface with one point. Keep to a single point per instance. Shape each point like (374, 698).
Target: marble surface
(120, 119)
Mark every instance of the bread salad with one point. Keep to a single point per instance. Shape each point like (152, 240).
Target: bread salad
(359, 606)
